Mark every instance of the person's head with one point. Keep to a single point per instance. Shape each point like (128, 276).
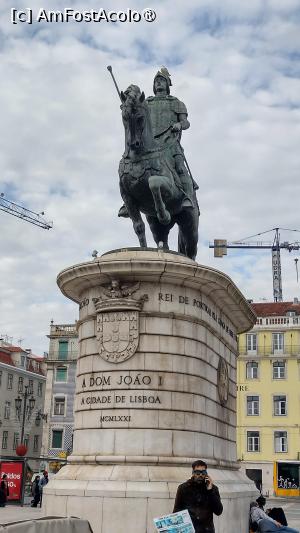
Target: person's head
(37, 478)
(45, 473)
(199, 471)
(4, 476)
(261, 501)
(162, 82)
(253, 504)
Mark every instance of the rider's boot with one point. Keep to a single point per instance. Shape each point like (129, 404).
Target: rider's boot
(187, 187)
(123, 212)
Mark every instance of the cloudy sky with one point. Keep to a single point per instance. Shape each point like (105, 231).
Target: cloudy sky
(234, 64)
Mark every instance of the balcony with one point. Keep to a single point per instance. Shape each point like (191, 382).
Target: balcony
(55, 355)
(63, 330)
(287, 351)
(272, 322)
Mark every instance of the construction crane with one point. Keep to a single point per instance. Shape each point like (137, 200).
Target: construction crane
(221, 245)
(25, 214)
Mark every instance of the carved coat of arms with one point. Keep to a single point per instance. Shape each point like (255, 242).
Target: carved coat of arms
(118, 321)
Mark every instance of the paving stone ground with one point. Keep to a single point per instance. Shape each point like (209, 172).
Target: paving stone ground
(13, 513)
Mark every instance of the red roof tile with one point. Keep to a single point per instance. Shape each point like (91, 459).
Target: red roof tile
(275, 308)
(6, 358)
(13, 348)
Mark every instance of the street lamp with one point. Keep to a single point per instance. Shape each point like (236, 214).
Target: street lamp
(27, 410)
(27, 402)
(41, 416)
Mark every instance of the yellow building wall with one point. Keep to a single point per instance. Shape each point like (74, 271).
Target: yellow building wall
(265, 387)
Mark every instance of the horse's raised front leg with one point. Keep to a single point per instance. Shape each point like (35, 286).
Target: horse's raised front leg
(137, 221)
(157, 184)
(160, 232)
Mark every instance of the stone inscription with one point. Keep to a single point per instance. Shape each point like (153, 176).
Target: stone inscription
(114, 400)
(116, 379)
(99, 391)
(169, 297)
(115, 418)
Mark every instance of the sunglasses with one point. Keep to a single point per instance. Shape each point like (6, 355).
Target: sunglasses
(200, 472)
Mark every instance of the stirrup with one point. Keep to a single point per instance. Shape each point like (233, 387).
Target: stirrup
(186, 203)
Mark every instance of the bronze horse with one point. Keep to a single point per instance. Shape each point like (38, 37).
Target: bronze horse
(148, 181)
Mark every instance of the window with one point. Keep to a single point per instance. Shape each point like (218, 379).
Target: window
(7, 410)
(0, 378)
(61, 373)
(279, 403)
(63, 350)
(35, 443)
(20, 385)
(16, 441)
(279, 370)
(30, 386)
(277, 342)
(4, 440)
(22, 361)
(252, 370)
(26, 440)
(40, 389)
(280, 441)
(59, 406)
(290, 313)
(252, 405)
(251, 343)
(253, 444)
(57, 435)
(10, 378)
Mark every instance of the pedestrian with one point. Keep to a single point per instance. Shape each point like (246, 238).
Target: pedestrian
(36, 492)
(266, 524)
(43, 481)
(200, 496)
(277, 513)
(4, 490)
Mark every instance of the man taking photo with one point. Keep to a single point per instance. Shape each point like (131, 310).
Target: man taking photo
(200, 497)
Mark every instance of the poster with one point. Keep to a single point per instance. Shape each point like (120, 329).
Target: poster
(14, 476)
(175, 523)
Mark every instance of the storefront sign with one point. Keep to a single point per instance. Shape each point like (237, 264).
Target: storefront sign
(14, 478)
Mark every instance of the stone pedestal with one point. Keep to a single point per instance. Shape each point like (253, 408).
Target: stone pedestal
(156, 389)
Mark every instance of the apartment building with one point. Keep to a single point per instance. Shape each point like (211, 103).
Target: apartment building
(268, 398)
(22, 387)
(60, 389)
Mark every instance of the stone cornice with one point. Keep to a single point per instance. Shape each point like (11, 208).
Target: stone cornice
(158, 266)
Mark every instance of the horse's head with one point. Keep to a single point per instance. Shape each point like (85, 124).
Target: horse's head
(136, 118)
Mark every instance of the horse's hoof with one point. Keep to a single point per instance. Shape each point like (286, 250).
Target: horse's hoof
(123, 212)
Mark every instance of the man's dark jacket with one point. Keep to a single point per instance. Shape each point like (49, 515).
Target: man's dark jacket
(201, 503)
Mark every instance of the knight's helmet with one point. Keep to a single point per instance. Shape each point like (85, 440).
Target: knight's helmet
(163, 73)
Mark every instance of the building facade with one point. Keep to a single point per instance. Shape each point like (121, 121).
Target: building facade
(20, 373)
(268, 399)
(60, 389)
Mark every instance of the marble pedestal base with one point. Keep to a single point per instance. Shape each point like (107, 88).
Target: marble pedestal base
(121, 499)
(155, 390)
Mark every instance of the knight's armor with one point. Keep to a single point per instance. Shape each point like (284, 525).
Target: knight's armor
(165, 111)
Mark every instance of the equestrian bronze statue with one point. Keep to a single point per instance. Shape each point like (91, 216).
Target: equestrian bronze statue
(154, 175)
